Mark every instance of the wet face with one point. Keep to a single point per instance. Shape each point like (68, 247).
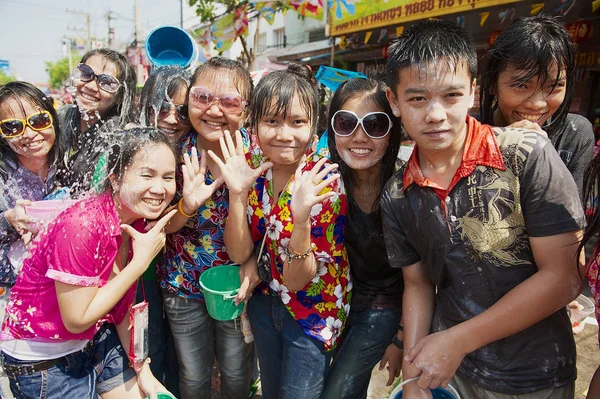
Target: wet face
(31, 144)
(285, 140)
(174, 126)
(90, 98)
(433, 104)
(211, 121)
(358, 150)
(535, 100)
(148, 183)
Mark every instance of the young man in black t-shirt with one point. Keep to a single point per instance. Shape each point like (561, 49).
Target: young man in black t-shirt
(485, 225)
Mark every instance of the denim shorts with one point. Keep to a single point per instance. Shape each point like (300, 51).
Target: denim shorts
(99, 368)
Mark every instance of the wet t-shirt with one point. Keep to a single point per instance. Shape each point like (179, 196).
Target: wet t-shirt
(376, 284)
(575, 146)
(474, 242)
(79, 248)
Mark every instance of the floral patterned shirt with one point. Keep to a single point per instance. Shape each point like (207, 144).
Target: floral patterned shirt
(322, 306)
(199, 244)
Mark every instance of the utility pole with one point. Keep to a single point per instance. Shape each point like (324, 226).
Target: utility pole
(181, 14)
(67, 43)
(87, 26)
(138, 32)
(111, 32)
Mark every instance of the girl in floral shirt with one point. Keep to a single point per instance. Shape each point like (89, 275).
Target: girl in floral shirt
(292, 209)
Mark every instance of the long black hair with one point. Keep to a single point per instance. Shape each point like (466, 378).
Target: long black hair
(275, 94)
(370, 90)
(162, 84)
(532, 45)
(123, 108)
(20, 92)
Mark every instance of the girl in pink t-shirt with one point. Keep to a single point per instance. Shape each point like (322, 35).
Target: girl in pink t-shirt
(66, 331)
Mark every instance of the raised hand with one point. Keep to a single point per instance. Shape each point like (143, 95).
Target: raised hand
(195, 190)
(147, 245)
(238, 175)
(306, 192)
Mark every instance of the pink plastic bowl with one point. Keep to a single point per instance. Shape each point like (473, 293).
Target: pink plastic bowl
(45, 211)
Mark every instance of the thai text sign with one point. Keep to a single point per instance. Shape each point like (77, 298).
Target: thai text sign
(355, 15)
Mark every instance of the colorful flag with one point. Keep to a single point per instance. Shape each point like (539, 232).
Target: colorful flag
(332, 78)
(536, 8)
(267, 10)
(483, 16)
(307, 8)
(202, 36)
(241, 20)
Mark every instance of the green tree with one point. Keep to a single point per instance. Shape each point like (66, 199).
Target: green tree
(205, 9)
(58, 71)
(4, 78)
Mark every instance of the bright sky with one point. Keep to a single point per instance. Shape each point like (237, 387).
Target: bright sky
(31, 31)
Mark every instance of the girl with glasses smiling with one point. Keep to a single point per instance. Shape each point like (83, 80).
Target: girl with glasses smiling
(219, 91)
(104, 86)
(31, 144)
(364, 139)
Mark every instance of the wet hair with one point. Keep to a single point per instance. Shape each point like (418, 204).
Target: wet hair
(212, 69)
(427, 43)
(23, 91)
(532, 45)
(123, 108)
(161, 85)
(132, 141)
(373, 91)
(275, 93)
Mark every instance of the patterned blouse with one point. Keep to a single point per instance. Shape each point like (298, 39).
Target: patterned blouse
(199, 244)
(322, 306)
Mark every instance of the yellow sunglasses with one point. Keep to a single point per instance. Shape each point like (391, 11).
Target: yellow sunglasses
(11, 128)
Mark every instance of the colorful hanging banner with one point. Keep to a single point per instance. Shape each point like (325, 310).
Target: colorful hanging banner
(483, 16)
(267, 10)
(565, 7)
(536, 8)
(355, 15)
(595, 5)
(307, 8)
(240, 16)
(460, 21)
(399, 30)
(202, 36)
(332, 78)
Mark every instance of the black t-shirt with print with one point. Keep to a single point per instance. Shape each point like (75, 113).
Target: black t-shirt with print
(575, 146)
(480, 250)
(375, 284)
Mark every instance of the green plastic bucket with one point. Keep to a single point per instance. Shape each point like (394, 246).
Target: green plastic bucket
(163, 395)
(220, 284)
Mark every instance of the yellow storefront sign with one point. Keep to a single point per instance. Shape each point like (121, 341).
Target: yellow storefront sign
(349, 16)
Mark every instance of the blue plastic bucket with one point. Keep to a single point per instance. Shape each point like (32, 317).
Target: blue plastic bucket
(169, 45)
(438, 393)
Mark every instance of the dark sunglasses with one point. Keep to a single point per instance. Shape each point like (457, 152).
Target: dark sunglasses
(106, 82)
(181, 111)
(10, 128)
(201, 97)
(375, 124)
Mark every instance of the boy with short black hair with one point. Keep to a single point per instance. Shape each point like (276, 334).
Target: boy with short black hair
(485, 225)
